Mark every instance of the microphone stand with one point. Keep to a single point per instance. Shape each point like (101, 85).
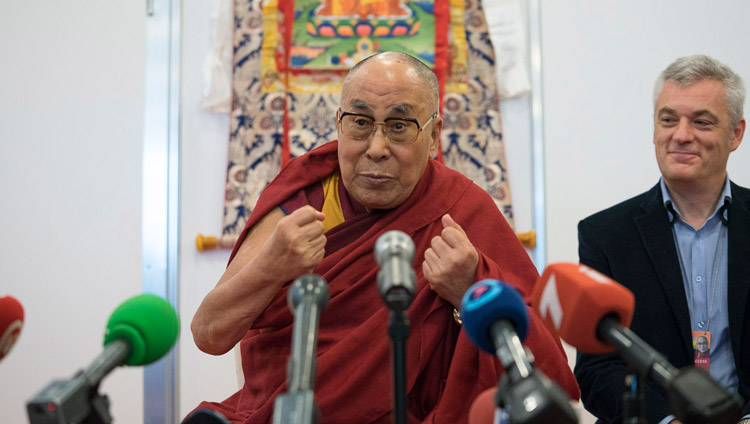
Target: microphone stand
(398, 331)
(633, 401)
(77, 399)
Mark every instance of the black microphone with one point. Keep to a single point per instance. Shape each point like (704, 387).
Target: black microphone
(693, 396)
(140, 331)
(496, 320)
(394, 252)
(205, 416)
(587, 309)
(308, 297)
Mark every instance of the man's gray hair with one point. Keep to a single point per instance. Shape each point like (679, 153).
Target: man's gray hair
(689, 70)
(423, 72)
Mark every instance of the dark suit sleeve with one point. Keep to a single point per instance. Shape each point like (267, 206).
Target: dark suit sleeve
(601, 377)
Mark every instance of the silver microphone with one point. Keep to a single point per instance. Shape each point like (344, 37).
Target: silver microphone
(394, 252)
(308, 297)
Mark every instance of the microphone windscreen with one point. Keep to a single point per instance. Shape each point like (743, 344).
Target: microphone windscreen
(572, 299)
(488, 302)
(309, 285)
(11, 322)
(392, 243)
(148, 324)
(482, 410)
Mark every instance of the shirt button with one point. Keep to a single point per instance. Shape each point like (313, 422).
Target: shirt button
(699, 278)
(701, 325)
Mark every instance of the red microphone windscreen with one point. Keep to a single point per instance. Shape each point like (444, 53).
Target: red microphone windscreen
(482, 410)
(11, 321)
(572, 299)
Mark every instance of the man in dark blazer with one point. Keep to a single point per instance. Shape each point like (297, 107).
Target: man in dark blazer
(683, 247)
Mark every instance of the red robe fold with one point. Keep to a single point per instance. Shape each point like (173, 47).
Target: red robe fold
(445, 372)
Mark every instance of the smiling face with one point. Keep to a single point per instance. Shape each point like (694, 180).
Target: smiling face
(693, 135)
(377, 173)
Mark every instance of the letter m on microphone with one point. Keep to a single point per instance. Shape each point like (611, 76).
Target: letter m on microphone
(571, 300)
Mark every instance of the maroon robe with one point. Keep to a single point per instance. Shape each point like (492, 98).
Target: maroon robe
(445, 372)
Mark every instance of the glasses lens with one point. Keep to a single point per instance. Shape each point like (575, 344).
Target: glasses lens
(356, 126)
(399, 131)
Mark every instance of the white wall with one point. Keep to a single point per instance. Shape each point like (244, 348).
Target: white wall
(71, 131)
(600, 61)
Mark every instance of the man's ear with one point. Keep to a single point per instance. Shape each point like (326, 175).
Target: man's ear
(437, 127)
(737, 134)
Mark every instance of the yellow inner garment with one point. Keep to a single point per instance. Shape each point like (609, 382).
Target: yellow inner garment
(334, 215)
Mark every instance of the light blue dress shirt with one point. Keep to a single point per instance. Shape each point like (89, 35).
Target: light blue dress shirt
(706, 282)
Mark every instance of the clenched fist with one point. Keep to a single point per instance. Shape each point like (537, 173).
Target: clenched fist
(450, 263)
(296, 246)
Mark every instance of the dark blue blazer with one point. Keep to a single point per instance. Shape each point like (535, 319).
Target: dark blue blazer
(632, 243)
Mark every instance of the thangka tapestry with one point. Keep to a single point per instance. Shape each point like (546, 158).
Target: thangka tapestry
(290, 59)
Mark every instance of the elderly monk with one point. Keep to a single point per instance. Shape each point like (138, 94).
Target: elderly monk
(322, 214)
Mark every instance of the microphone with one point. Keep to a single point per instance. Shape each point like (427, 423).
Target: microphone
(308, 297)
(591, 312)
(394, 252)
(11, 323)
(205, 416)
(496, 320)
(140, 331)
(572, 299)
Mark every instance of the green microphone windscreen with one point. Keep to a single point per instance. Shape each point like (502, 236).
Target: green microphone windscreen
(148, 323)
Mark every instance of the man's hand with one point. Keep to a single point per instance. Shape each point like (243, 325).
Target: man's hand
(450, 263)
(296, 246)
(277, 249)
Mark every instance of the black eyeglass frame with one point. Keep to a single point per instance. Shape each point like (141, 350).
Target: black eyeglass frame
(375, 123)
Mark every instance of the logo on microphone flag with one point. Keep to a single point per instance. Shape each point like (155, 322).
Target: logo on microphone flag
(482, 292)
(549, 304)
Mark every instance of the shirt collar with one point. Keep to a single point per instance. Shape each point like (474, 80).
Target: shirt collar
(724, 201)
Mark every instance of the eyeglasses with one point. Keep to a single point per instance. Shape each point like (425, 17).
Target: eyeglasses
(397, 130)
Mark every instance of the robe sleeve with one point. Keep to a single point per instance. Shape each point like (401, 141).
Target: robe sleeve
(502, 257)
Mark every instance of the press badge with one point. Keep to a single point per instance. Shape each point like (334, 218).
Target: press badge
(702, 349)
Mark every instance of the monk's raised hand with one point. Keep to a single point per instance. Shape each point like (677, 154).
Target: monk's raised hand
(297, 244)
(450, 263)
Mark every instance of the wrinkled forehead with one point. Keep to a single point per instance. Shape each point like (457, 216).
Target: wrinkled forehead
(368, 107)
